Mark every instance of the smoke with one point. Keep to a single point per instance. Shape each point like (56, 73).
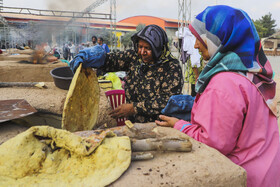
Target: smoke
(124, 8)
(68, 5)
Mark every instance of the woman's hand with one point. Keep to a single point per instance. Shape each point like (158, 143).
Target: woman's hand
(123, 110)
(166, 121)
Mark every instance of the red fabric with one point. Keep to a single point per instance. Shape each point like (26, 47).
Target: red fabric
(197, 35)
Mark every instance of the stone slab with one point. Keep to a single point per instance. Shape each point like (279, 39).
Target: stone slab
(15, 71)
(203, 166)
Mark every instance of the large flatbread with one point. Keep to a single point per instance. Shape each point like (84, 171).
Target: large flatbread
(82, 101)
(45, 156)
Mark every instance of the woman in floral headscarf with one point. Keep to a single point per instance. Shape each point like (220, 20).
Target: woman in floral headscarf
(153, 74)
(234, 110)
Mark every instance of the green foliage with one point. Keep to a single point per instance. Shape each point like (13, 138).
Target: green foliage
(265, 25)
(126, 39)
(104, 33)
(262, 31)
(140, 27)
(268, 23)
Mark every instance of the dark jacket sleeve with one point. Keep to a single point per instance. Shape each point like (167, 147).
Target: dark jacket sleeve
(119, 61)
(171, 84)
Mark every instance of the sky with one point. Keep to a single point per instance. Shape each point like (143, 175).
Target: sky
(159, 8)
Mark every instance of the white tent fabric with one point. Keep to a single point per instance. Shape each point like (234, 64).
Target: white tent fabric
(188, 45)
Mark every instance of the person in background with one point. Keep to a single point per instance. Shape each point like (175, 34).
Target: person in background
(72, 48)
(103, 45)
(80, 47)
(56, 52)
(234, 110)
(66, 51)
(94, 40)
(153, 74)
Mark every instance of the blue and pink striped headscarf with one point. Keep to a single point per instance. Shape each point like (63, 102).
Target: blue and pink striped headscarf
(237, 48)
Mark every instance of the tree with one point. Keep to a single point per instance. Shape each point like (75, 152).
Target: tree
(126, 39)
(262, 31)
(105, 34)
(266, 25)
(140, 27)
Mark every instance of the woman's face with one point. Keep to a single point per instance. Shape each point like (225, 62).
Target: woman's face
(145, 51)
(205, 54)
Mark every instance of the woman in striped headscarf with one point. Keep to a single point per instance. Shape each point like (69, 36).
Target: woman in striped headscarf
(234, 111)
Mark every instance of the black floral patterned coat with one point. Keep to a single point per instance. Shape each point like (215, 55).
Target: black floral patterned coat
(148, 87)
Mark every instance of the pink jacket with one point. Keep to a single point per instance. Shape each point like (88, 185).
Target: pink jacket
(232, 117)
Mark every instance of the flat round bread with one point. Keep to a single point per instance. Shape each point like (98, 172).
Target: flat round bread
(82, 101)
(45, 156)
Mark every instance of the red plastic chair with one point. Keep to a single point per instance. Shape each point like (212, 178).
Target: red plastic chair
(116, 98)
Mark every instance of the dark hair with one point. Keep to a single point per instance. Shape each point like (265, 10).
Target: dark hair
(94, 37)
(100, 38)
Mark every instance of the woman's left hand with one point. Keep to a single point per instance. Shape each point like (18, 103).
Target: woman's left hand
(123, 110)
(166, 121)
